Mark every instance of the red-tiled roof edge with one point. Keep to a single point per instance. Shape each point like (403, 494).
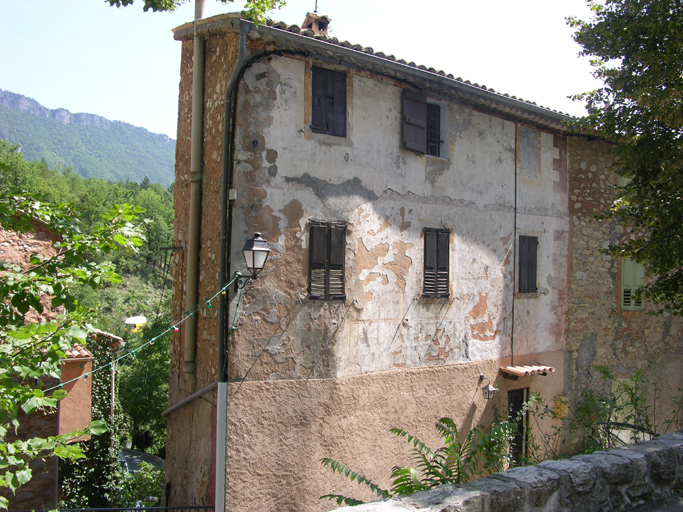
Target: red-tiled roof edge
(78, 351)
(526, 370)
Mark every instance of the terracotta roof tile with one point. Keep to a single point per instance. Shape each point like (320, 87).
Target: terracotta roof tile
(526, 370)
(78, 351)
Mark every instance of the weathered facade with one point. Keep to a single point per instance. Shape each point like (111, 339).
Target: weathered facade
(410, 253)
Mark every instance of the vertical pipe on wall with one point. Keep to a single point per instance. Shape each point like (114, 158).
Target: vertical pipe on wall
(514, 248)
(226, 213)
(223, 328)
(196, 177)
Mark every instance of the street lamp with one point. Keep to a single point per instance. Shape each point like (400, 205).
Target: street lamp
(489, 391)
(255, 252)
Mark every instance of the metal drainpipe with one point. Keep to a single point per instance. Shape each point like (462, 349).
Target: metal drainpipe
(514, 250)
(221, 398)
(196, 176)
(225, 207)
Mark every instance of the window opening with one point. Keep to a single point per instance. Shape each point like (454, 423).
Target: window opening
(632, 278)
(327, 247)
(527, 263)
(436, 262)
(519, 415)
(328, 113)
(421, 124)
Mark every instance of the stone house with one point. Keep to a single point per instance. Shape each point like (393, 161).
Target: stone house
(424, 231)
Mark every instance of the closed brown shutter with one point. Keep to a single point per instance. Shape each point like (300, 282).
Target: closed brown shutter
(328, 113)
(317, 261)
(414, 121)
(442, 248)
(337, 255)
(327, 252)
(319, 110)
(528, 247)
(436, 258)
(337, 119)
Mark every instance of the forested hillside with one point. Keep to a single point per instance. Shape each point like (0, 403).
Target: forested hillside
(93, 146)
(145, 289)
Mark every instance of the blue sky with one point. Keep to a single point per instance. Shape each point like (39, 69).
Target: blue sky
(123, 64)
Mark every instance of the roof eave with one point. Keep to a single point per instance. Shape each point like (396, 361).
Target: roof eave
(478, 96)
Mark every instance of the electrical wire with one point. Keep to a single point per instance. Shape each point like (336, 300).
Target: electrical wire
(170, 328)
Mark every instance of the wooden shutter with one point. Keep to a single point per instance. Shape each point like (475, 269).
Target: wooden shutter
(337, 113)
(327, 252)
(317, 260)
(632, 278)
(527, 263)
(442, 250)
(436, 254)
(337, 256)
(328, 93)
(414, 121)
(319, 95)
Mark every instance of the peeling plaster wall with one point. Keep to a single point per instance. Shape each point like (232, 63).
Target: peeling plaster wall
(287, 175)
(599, 332)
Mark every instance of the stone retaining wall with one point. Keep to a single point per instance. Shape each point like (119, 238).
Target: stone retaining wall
(616, 480)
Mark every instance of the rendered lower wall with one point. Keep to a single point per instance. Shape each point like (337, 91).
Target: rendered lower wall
(279, 430)
(616, 480)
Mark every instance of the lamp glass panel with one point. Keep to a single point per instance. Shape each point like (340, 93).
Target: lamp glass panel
(259, 259)
(249, 259)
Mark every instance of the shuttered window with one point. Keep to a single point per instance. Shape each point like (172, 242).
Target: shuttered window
(326, 260)
(528, 247)
(436, 262)
(421, 124)
(328, 114)
(632, 278)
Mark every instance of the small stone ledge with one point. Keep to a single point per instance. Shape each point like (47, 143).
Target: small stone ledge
(617, 480)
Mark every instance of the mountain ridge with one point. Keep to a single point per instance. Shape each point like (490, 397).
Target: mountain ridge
(92, 145)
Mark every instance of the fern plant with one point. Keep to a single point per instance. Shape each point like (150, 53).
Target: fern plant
(456, 462)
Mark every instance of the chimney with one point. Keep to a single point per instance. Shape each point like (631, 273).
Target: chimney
(318, 23)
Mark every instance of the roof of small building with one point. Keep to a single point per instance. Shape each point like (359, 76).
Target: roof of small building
(281, 36)
(78, 351)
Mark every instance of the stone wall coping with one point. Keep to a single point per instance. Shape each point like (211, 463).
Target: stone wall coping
(618, 479)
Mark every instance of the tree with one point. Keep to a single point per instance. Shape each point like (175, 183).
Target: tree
(254, 9)
(637, 51)
(144, 386)
(31, 352)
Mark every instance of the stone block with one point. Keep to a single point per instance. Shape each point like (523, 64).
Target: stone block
(447, 498)
(637, 461)
(539, 485)
(582, 476)
(615, 470)
(662, 461)
(499, 494)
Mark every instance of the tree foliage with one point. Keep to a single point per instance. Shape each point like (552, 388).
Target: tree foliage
(93, 197)
(254, 9)
(636, 48)
(144, 387)
(30, 352)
